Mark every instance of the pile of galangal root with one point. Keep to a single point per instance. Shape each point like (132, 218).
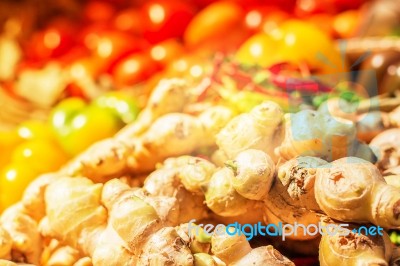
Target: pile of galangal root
(128, 200)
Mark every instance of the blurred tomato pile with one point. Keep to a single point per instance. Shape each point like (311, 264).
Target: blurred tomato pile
(68, 62)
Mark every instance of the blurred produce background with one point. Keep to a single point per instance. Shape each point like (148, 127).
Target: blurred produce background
(75, 72)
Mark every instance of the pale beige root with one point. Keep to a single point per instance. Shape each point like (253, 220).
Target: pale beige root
(261, 128)
(73, 207)
(23, 230)
(393, 180)
(171, 135)
(204, 259)
(266, 255)
(169, 96)
(193, 172)
(76, 216)
(229, 247)
(291, 199)
(311, 133)
(62, 256)
(165, 247)
(33, 200)
(222, 198)
(102, 161)
(144, 233)
(394, 117)
(110, 250)
(387, 146)
(214, 119)
(253, 173)
(5, 244)
(121, 203)
(352, 189)
(165, 182)
(86, 261)
(347, 248)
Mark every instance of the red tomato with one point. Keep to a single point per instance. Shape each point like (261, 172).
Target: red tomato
(109, 46)
(98, 11)
(164, 19)
(220, 26)
(133, 69)
(129, 20)
(166, 51)
(53, 41)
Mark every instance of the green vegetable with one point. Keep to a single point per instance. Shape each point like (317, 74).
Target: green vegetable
(78, 124)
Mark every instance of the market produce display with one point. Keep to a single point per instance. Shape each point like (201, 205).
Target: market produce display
(204, 133)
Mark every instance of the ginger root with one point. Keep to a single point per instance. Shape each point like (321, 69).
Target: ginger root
(23, 230)
(348, 248)
(312, 133)
(291, 199)
(259, 129)
(234, 249)
(351, 189)
(170, 135)
(387, 147)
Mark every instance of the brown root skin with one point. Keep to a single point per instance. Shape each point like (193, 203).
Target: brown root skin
(102, 161)
(352, 189)
(261, 256)
(253, 174)
(165, 247)
(23, 230)
(387, 146)
(291, 199)
(260, 129)
(165, 182)
(298, 177)
(354, 249)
